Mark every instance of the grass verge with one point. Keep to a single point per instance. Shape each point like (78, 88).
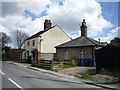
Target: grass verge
(87, 76)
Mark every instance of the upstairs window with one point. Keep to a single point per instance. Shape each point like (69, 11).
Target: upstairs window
(66, 55)
(33, 42)
(28, 43)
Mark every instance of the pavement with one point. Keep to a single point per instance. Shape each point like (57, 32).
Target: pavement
(106, 86)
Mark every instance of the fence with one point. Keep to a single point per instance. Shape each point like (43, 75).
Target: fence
(45, 64)
(108, 58)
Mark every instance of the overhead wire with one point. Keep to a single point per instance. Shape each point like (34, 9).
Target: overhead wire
(67, 13)
(114, 15)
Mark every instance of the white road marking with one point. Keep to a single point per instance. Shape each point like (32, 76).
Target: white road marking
(2, 73)
(15, 83)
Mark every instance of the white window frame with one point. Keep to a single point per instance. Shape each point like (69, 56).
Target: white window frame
(82, 54)
(28, 43)
(66, 55)
(33, 43)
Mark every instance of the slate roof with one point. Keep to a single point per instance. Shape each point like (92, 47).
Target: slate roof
(81, 41)
(39, 33)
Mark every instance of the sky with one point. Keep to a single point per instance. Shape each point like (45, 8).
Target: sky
(29, 15)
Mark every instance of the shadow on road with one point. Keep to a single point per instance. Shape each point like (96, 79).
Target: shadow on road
(53, 80)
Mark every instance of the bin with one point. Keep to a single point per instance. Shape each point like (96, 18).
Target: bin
(82, 62)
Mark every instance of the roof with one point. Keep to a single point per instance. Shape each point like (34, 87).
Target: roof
(80, 41)
(39, 33)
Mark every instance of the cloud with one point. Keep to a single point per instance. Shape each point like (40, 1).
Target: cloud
(113, 33)
(11, 8)
(18, 8)
(67, 15)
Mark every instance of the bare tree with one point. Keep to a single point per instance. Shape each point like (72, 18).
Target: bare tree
(4, 39)
(20, 38)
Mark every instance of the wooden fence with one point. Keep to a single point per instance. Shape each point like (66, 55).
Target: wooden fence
(45, 64)
(108, 58)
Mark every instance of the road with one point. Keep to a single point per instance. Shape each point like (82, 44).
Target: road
(16, 76)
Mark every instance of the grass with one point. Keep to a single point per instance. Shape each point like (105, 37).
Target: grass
(87, 76)
(67, 66)
(55, 70)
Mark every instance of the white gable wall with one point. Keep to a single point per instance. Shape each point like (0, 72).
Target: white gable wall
(46, 42)
(55, 36)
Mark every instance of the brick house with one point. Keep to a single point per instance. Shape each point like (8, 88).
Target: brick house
(15, 54)
(82, 47)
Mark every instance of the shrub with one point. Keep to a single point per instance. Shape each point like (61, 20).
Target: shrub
(73, 63)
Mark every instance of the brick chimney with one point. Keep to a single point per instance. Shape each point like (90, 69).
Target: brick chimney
(47, 24)
(83, 29)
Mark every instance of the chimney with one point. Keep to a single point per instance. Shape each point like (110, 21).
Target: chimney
(83, 29)
(47, 24)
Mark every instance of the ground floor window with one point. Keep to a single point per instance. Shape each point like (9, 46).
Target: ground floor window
(82, 54)
(66, 54)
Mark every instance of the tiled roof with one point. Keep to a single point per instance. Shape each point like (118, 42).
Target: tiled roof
(39, 33)
(81, 41)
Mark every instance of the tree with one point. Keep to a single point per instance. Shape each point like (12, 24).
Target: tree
(20, 38)
(4, 39)
(115, 42)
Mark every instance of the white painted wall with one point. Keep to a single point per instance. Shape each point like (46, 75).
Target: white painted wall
(46, 42)
(31, 47)
(48, 56)
(55, 36)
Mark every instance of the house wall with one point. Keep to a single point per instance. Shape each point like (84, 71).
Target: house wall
(31, 47)
(74, 53)
(47, 56)
(55, 36)
(46, 42)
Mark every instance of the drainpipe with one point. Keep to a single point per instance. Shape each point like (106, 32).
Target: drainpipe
(40, 45)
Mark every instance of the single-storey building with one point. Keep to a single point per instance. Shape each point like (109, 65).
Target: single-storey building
(82, 47)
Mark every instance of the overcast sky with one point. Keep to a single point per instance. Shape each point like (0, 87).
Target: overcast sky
(101, 17)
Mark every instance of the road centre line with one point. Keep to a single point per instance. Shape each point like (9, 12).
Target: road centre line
(2, 73)
(14, 83)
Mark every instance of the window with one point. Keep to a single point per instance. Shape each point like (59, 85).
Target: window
(82, 54)
(28, 43)
(33, 42)
(66, 55)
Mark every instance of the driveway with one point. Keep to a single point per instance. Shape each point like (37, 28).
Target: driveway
(79, 70)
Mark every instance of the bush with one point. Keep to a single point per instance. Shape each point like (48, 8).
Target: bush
(73, 63)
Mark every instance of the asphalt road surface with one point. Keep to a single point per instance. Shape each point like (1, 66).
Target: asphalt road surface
(16, 76)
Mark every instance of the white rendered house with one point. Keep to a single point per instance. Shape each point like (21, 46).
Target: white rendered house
(41, 45)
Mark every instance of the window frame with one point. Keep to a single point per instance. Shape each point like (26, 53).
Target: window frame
(33, 42)
(82, 54)
(28, 43)
(66, 55)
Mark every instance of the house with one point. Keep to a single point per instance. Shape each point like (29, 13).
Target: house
(82, 47)
(41, 45)
(108, 58)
